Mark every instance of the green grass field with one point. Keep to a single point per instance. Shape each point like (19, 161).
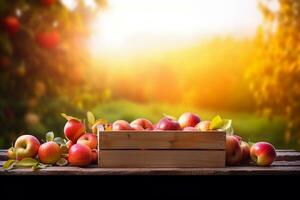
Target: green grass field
(248, 125)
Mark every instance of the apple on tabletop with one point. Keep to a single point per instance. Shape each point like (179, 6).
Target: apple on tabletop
(49, 152)
(88, 139)
(263, 153)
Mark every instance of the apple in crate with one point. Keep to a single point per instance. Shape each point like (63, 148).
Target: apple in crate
(74, 129)
(26, 146)
(141, 124)
(188, 119)
(80, 155)
(121, 125)
(203, 126)
(189, 128)
(167, 124)
(88, 139)
(263, 153)
(233, 151)
(49, 153)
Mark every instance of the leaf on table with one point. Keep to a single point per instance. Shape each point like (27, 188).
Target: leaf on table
(49, 136)
(64, 149)
(216, 123)
(9, 164)
(59, 141)
(62, 162)
(26, 162)
(39, 166)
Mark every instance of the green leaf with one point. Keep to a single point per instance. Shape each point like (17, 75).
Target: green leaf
(169, 116)
(49, 136)
(26, 162)
(59, 141)
(62, 162)
(9, 164)
(216, 123)
(90, 118)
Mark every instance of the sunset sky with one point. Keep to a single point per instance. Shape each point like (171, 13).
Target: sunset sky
(134, 25)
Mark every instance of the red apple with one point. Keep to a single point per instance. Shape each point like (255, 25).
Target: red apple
(233, 151)
(69, 144)
(189, 128)
(141, 124)
(47, 2)
(48, 40)
(167, 124)
(188, 119)
(94, 156)
(88, 139)
(11, 153)
(80, 155)
(74, 129)
(49, 153)
(203, 126)
(239, 138)
(26, 146)
(11, 25)
(245, 150)
(263, 153)
(121, 125)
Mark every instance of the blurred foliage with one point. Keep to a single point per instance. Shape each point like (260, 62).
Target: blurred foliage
(275, 77)
(41, 74)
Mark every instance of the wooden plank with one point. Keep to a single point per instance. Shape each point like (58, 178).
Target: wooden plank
(161, 140)
(161, 158)
(3, 156)
(287, 155)
(239, 170)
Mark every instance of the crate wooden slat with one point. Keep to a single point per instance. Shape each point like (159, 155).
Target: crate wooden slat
(129, 149)
(163, 158)
(161, 140)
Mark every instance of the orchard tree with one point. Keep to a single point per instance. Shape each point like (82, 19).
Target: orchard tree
(275, 78)
(43, 64)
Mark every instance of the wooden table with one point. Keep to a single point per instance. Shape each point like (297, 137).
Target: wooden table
(287, 163)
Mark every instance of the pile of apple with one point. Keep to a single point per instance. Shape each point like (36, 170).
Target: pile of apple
(80, 148)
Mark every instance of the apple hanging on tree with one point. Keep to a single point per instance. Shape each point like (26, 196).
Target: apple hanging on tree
(11, 25)
(48, 39)
(47, 2)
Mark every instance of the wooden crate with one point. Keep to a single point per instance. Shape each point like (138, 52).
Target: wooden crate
(178, 149)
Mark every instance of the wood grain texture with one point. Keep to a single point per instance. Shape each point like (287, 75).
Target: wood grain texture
(161, 140)
(278, 167)
(239, 170)
(161, 158)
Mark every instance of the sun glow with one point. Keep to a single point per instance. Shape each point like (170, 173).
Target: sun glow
(134, 26)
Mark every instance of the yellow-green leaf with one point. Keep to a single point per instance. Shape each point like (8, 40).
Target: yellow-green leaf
(90, 118)
(67, 117)
(9, 164)
(216, 123)
(169, 116)
(26, 162)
